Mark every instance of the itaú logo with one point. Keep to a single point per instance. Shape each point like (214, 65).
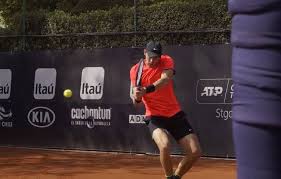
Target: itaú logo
(41, 117)
(92, 82)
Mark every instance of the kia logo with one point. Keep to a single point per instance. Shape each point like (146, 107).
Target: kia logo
(41, 117)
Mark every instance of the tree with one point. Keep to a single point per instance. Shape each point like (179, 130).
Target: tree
(12, 9)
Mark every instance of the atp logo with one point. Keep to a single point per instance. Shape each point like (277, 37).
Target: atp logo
(212, 91)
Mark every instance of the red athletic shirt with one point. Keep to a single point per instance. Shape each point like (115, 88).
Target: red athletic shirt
(163, 101)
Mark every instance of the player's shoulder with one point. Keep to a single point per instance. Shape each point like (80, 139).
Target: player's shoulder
(134, 68)
(167, 58)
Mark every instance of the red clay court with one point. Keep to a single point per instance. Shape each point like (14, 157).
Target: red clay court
(22, 163)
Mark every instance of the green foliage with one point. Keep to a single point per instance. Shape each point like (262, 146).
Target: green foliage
(118, 19)
(8, 8)
(90, 5)
(2, 22)
(152, 15)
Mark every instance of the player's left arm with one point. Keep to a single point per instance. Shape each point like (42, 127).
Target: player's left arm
(165, 78)
(166, 75)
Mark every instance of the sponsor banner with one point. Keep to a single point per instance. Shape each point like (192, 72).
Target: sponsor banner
(45, 83)
(223, 114)
(41, 117)
(214, 91)
(6, 116)
(91, 117)
(136, 119)
(92, 81)
(100, 114)
(6, 112)
(5, 83)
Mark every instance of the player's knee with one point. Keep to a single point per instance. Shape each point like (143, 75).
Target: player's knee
(196, 154)
(164, 147)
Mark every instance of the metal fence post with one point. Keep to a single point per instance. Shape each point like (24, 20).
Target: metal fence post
(23, 27)
(135, 21)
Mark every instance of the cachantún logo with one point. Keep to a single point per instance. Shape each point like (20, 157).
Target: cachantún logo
(91, 117)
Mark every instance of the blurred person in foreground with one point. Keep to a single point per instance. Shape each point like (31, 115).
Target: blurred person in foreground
(256, 72)
(152, 85)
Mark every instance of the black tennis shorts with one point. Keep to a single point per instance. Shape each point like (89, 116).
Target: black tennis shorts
(177, 125)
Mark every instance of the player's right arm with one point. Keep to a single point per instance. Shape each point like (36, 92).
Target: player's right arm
(136, 94)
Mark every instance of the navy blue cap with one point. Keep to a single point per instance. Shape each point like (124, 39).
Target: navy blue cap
(154, 49)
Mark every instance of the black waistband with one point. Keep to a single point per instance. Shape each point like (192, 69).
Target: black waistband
(179, 114)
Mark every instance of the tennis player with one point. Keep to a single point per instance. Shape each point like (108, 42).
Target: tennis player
(152, 85)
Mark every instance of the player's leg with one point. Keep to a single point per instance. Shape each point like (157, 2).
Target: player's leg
(161, 139)
(191, 147)
(183, 133)
(157, 127)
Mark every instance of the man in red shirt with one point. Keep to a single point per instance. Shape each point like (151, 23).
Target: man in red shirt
(152, 85)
